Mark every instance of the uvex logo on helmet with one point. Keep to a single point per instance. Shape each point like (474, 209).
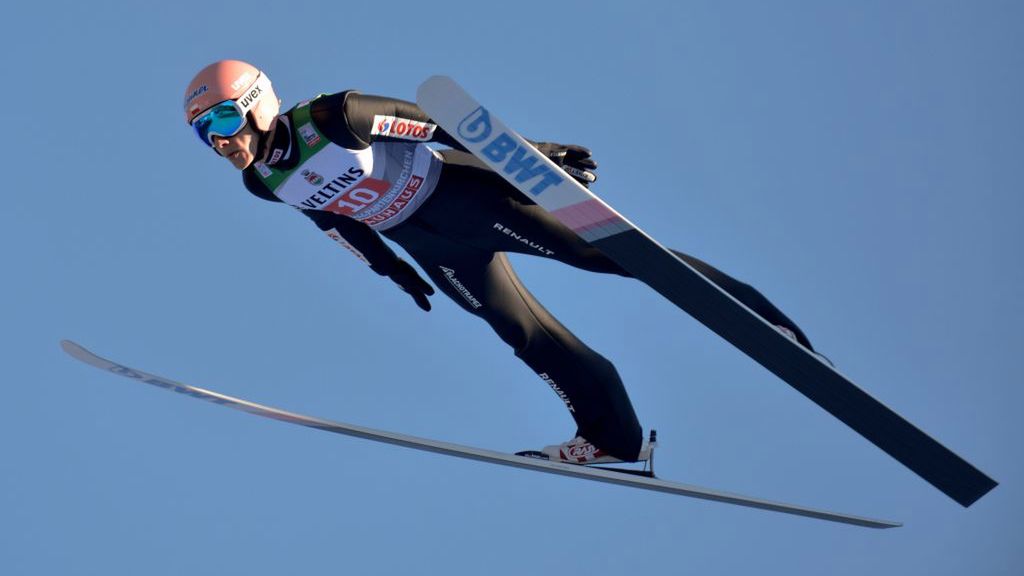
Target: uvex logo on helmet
(243, 81)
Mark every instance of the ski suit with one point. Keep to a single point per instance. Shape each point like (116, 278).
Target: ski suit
(358, 167)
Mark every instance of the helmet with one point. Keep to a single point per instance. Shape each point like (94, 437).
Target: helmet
(231, 80)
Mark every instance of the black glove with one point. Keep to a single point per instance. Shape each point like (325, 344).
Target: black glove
(412, 284)
(575, 160)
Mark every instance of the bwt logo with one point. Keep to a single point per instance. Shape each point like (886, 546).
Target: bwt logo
(522, 162)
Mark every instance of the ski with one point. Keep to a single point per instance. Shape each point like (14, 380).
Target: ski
(596, 474)
(510, 155)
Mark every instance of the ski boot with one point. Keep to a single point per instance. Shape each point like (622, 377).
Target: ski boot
(580, 451)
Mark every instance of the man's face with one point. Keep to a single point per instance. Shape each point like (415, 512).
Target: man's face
(239, 149)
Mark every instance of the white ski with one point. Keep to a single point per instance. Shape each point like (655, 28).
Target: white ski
(515, 159)
(597, 474)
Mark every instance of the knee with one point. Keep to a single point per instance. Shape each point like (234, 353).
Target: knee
(515, 334)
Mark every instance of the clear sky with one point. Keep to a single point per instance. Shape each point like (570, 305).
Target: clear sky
(860, 163)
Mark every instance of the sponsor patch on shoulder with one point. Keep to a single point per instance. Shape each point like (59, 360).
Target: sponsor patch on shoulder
(309, 134)
(402, 128)
(263, 169)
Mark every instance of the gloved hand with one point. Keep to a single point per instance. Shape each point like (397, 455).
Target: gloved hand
(412, 284)
(575, 160)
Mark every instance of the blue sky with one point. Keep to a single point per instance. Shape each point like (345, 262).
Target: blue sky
(860, 163)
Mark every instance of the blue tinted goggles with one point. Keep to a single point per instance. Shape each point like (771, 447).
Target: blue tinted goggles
(225, 119)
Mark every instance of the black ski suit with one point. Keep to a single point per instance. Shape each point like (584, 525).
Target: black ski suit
(460, 236)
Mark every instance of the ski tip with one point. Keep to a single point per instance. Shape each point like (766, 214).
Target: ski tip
(438, 79)
(75, 350)
(435, 82)
(877, 524)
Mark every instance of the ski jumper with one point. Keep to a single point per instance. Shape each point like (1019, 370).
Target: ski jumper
(358, 167)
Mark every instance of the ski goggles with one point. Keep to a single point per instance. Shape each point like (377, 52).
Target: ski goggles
(228, 117)
(225, 119)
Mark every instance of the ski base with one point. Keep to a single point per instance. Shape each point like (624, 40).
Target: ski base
(599, 475)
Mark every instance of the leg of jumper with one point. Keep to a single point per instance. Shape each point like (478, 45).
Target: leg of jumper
(746, 294)
(484, 284)
(550, 238)
(586, 381)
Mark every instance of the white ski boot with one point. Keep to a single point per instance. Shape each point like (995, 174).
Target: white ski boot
(579, 450)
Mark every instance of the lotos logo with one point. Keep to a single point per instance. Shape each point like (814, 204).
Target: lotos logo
(402, 128)
(312, 177)
(521, 162)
